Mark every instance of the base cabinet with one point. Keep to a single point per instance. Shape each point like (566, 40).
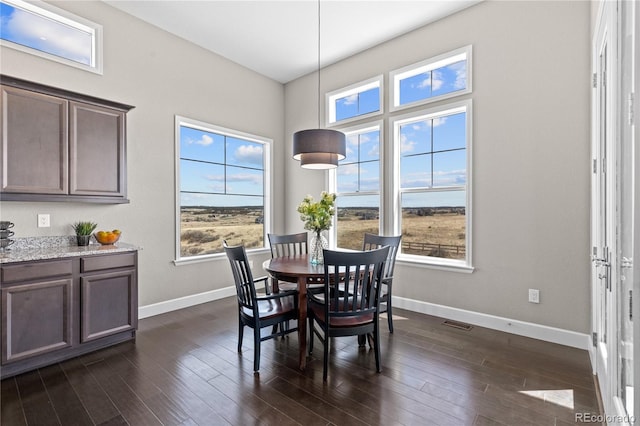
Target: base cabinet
(55, 310)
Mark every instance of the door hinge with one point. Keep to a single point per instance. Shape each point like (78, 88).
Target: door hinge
(594, 336)
(595, 166)
(631, 105)
(595, 80)
(594, 251)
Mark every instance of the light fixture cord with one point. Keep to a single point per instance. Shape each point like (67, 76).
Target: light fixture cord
(319, 105)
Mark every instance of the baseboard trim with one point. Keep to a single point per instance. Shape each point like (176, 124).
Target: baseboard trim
(521, 328)
(184, 302)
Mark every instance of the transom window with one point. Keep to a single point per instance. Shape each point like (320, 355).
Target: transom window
(223, 188)
(358, 187)
(432, 148)
(44, 30)
(357, 101)
(433, 79)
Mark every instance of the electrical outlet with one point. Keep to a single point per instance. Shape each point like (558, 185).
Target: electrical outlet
(534, 295)
(44, 220)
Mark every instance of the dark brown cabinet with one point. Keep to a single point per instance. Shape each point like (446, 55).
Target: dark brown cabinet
(60, 146)
(56, 309)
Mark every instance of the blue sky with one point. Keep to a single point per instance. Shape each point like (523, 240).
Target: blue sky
(46, 35)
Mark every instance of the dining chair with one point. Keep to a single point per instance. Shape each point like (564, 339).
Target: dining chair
(287, 245)
(373, 241)
(259, 312)
(347, 313)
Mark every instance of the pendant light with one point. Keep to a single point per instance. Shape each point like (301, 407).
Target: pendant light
(319, 148)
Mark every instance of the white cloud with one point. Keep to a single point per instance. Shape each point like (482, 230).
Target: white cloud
(406, 145)
(348, 169)
(205, 140)
(350, 100)
(249, 154)
(439, 121)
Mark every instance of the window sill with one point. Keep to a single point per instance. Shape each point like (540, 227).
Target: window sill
(442, 266)
(215, 257)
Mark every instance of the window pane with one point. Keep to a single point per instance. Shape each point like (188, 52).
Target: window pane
(244, 181)
(200, 145)
(348, 175)
(357, 214)
(241, 152)
(353, 149)
(347, 107)
(196, 176)
(450, 78)
(47, 34)
(450, 168)
(415, 138)
(369, 146)
(369, 101)
(415, 88)
(206, 220)
(434, 224)
(370, 176)
(415, 171)
(449, 132)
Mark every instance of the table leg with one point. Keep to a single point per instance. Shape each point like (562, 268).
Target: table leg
(302, 321)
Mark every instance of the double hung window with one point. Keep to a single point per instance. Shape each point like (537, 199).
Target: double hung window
(223, 188)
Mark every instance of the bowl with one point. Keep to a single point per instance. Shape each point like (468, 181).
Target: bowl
(107, 237)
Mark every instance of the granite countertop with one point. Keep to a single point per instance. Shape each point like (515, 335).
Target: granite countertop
(41, 248)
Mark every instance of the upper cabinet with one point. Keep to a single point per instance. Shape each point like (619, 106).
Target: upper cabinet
(60, 146)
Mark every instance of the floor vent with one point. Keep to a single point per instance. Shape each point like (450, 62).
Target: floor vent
(456, 324)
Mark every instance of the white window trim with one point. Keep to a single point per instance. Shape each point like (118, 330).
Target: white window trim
(62, 16)
(331, 97)
(465, 265)
(427, 65)
(267, 208)
(333, 176)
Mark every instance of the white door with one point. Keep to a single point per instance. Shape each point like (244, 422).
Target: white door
(613, 211)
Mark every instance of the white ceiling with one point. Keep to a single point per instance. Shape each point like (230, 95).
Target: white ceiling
(279, 39)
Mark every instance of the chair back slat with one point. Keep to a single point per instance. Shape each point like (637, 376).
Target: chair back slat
(288, 245)
(354, 281)
(372, 241)
(242, 276)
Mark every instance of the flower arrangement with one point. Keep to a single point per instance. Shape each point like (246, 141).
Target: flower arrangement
(317, 216)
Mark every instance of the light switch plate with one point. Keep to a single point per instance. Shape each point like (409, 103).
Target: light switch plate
(44, 220)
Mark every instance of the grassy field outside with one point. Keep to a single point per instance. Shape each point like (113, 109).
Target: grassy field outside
(438, 232)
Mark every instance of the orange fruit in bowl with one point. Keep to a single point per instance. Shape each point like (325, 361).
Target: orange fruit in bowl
(107, 237)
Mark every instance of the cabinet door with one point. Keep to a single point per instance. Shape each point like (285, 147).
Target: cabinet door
(36, 319)
(97, 150)
(108, 304)
(33, 158)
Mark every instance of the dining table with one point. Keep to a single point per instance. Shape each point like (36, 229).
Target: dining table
(297, 269)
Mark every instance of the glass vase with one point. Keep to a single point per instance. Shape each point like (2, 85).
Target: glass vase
(318, 243)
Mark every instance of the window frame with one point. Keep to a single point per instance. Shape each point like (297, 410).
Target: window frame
(61, 16)
(333, 176)
(359, 87)
(430, 64)
(266, 143)
(465, 265)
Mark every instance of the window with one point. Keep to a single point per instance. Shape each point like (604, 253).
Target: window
(357, 101)
(44, 30)
(434, 79)
(358, 187)
(223, 188)
(432, 150)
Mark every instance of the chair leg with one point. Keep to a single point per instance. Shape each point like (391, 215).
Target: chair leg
(376, 345)
(256, 349)
(389, 316)
(325, 366)
(240, 334)
(311, 339)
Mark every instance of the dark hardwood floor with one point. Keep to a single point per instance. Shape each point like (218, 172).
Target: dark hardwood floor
(183, 369)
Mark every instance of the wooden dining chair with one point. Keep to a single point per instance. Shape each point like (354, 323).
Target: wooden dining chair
(287, 245)
(373, 241)
(259, 312)
(335, 313)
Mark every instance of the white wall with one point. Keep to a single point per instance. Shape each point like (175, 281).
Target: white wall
(161, 75)
(531, 105)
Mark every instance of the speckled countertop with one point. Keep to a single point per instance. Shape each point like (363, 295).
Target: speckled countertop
(41, 248)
